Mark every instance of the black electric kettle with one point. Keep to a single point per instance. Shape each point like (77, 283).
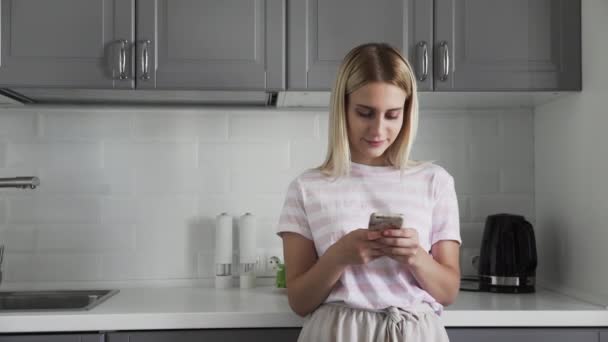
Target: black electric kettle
(507, 260)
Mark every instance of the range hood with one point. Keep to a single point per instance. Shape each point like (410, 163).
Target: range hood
(45, 96)
(272, 99)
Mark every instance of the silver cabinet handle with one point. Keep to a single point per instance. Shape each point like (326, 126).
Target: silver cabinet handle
(145, 57)
(122, 60)
(423, 60)
(445, 61)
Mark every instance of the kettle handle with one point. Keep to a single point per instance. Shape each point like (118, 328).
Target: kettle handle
(531, 246)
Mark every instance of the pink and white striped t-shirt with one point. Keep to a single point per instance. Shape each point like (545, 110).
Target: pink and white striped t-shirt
(324, 209)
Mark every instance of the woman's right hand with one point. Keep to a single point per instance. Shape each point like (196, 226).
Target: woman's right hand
(357, 247)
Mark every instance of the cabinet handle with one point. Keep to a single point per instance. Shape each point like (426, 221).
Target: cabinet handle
(122, 60)
(145, 58)
(445, 61)
(423, 61)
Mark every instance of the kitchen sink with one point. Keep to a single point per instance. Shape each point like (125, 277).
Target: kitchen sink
(53, 300)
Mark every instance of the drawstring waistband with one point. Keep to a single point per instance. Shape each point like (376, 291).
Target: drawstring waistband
(398, 317)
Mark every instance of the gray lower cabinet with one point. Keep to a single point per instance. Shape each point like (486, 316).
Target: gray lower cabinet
(208, 335)
(322, 32)
(65, 43)
(507, 45)
(210, 44)
(523, 334)
(53, 338)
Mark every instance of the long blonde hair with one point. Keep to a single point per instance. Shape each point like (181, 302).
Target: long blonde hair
(372, 62)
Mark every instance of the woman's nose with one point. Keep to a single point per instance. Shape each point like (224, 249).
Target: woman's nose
(376, 124)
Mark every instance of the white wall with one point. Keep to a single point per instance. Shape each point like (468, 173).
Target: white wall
(132, 194)
(571, 169)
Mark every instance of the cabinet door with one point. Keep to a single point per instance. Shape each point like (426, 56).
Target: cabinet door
(65, 43)
(508, 45)
(208, 335)
(322, 32)
(211, 44)
(53, 338)
(522, 335)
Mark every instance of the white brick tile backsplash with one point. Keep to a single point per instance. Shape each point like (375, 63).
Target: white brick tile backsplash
(484, 124)
(18, 238)
(80, 180)
(2, 155)
(205, 265)
(53, 267)
(260, 180)
(464, 208)
(273, 125)
(244, 155)
(441, 126)
(163, 264)
(19, 125)
(482, 180)
(306, 154)
(182, 126)
(54, 155)
(471, 234)
(517, 179)
(482, 206)
(2, 210)
(18, 267)
(86, 238)
(91, 125)
(53, 209)
(261, 205)
(118, 209)
(166, 211)
(150, 155)
(519, 124)
(133, 194)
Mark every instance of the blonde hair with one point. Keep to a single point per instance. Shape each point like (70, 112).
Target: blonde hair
(372, 62)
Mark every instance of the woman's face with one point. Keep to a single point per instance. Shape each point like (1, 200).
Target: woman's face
(374, 116)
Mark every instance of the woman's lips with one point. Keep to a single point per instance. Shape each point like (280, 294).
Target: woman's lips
(374, 143)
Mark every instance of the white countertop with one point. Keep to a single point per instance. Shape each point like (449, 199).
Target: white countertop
(264, 307)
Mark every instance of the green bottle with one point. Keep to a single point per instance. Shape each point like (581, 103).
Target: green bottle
(280, 280)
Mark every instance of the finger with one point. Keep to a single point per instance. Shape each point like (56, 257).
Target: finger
(374, 235)
(376, 253)
(375, 245)
(400, 251)
(403, 232)
(399, 242)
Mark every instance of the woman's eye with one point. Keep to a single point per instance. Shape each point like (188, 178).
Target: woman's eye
(365, 113)
(392, 115)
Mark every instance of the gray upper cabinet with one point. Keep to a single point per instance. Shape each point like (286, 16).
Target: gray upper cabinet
(66, 43)
(507, 45)
(322, 32)
(210, 44)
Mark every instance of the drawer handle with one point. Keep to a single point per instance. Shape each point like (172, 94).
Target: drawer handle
(122, 60)
(445, 61)
(145, 60)
(423, 60)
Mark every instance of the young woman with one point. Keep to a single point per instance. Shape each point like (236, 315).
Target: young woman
(356, 284)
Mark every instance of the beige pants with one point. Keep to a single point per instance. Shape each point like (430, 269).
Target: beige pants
(336, 323)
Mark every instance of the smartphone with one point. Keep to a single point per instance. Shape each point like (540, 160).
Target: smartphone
(381, 221)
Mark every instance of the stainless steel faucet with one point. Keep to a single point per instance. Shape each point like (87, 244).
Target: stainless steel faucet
(20, 183)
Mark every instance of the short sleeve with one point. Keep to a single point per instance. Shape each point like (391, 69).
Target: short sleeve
(293, 216)
(446, 221)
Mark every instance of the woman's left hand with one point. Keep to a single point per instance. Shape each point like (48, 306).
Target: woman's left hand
(401, 244)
